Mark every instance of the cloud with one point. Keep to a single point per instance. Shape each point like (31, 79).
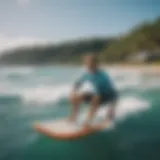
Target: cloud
(10, 42)
(23, 3)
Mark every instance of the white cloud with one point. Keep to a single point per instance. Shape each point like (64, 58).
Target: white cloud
(10, 42)
(23, 3)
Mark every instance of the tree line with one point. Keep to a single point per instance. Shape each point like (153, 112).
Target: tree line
(145, 37)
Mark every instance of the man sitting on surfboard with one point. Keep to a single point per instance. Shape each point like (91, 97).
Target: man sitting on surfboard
(104, 92)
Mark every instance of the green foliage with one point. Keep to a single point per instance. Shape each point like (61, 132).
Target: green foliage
(142, 38)
(69, 52)
(145, 37)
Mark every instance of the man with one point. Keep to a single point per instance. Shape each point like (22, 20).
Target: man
(103, 92)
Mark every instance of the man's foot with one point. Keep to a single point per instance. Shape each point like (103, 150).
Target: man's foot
(101, 126)
(71, 118)
(87, 126)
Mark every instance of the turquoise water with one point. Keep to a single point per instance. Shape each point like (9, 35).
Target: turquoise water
(35, 94)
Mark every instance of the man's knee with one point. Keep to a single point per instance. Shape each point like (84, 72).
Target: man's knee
(96, 99)
(75, 97)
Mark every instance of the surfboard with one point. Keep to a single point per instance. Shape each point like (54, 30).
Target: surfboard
(64, 129)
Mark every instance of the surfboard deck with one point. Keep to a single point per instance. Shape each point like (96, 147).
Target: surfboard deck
(63, 129)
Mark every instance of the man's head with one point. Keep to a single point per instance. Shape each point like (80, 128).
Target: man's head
(91, 62)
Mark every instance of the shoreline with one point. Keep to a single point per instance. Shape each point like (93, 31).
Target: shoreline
(142, 68)
(153, 68)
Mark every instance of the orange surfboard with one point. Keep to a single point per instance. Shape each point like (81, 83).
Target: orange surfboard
(63, 129)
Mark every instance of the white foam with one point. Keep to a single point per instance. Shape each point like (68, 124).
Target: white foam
(87, 87)
(130, 105)
(151, 84)
(48, 94)
(7, 89)
(130, 81)
(127, 83)
(41, 90)
(16, 70)
(125, 107)
(45, 94)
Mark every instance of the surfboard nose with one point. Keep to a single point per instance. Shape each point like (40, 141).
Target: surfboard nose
(62, 129)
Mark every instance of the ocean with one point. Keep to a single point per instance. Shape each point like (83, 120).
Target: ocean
(31, 94)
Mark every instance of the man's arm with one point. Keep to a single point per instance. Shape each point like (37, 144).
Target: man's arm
(75, 99)
(78, 83)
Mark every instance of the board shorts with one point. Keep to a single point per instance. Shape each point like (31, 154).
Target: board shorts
(104, 98)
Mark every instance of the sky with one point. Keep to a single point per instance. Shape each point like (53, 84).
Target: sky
(27, 22)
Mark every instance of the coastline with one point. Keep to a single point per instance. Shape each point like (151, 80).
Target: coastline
(147, 68)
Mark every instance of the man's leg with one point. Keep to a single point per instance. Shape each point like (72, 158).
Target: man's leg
(95, 102)
(110, 115)
(111, 111)
(75, 100)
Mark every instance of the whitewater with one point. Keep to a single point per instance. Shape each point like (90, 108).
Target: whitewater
(29, 94)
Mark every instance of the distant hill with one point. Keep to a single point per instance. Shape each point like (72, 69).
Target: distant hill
(145, 37)
(68, 52)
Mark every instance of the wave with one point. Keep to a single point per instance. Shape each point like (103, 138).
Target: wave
(16, 70)
(45, 94)
(42, 86)
(125, 107)
(42, 93)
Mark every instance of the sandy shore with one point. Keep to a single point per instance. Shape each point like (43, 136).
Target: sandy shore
(147, 68)
(155, 69)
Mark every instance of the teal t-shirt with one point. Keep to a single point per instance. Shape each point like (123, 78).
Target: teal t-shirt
(100, 81)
